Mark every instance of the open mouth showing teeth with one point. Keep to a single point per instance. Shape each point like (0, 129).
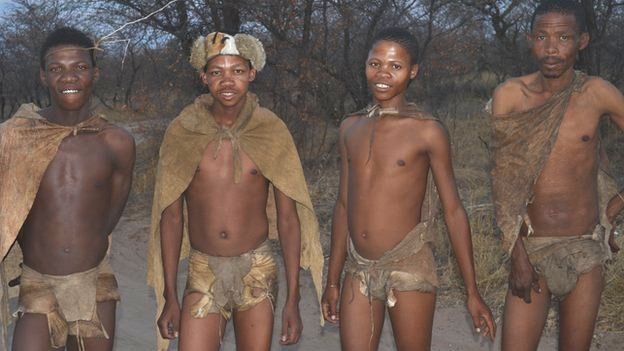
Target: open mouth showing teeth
(382, 86)
(70, 91)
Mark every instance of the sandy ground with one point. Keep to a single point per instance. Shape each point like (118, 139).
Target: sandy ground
(135, 326)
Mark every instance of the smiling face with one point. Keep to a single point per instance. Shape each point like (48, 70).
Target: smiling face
(69, 75)
(555, 42)
(388, 72)
(227, 78)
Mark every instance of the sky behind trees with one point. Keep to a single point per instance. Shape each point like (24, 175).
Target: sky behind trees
(316, 49)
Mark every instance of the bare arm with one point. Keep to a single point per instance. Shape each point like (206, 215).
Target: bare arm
(611, 102)
(123, 148)
(171, 229)
(454, 213)
(457, 222)
(340, 232)
(505, 99)
(289, 231)
(614, 207)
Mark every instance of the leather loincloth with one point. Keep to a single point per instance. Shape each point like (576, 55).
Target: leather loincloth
(561, 260)
(231, 283)
(409, 266)
(69, 302)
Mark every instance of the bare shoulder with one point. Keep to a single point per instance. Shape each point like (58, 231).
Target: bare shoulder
(120, 141)
(348, 122)
(430, 129)
(507, 96)
(600, 89)
(118, 136)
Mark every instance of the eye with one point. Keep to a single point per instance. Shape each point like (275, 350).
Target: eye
(540, 37)
(214, 73)
(396, 66)
(239, 71)
(54, 69)
(374, 64)
(83, 67)
(564, 37)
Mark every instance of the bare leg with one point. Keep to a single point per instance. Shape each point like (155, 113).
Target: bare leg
(31, 333)
(412, 320)
(578, 311)
(199, 333)
(106, 312)
(523, 323)
(360, 322)
(254, 327)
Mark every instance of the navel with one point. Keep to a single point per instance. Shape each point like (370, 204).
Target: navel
(401, 163)
(254, 171)
(364, 235)
(223, 235)
(585, 138)
(66, 250)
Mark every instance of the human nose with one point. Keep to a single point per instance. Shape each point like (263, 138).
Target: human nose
(551, 46)
(227, 78)
(69, 76)
(384, 70)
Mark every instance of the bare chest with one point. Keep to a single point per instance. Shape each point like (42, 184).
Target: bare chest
(218, 166)
(384, 147)
(574, 155)
(578, 135)
(82, 161)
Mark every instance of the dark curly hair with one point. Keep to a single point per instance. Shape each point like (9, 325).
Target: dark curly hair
(402, 37)
(66, 36)
(565, 7)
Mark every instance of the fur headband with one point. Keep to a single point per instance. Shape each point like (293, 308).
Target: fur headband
(217, 43)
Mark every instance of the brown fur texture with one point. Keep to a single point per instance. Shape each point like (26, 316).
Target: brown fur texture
(206, 48)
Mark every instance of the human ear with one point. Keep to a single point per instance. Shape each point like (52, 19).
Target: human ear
(252, 75)
(414, 71)
(529, 39)
(204, 78)
(583, 40)
(42, 77)
(96, 74)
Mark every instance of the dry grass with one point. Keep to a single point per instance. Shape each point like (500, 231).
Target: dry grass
(469, 138)
(611, 316)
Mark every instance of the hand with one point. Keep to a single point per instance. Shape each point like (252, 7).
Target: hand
(523, 278)
(612, 244)
(329, 303)
(169, 321)
(291, 324)
(482, 318)
(614, 207)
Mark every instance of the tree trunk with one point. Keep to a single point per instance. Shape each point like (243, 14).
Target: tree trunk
(231, 16)
(589, 57)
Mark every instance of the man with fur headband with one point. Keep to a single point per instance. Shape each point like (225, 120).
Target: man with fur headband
(217, 162)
